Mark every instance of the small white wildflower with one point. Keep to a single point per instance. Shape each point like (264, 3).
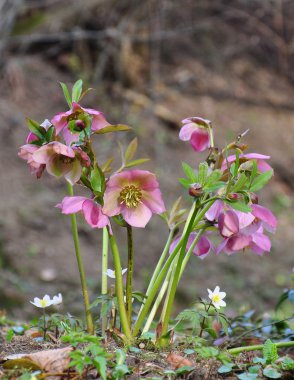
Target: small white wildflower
(42, 302)
(111, 273)
(217, 297)
(57, 300)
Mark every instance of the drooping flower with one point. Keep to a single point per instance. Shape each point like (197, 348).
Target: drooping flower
(42, 302)
(57, 300)
(135, 194)
(262, 165)
(82, 117)
(91, 210)
(111, 273)
(62, 160)
(217, 297)
(195, 130)
(26, 153)
(201, 249)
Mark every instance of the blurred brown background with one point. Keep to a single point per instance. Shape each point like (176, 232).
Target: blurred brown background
(151, 63)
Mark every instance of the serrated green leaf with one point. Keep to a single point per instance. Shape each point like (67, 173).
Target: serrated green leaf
(97, 179)
(189, 172)
(270, 352)
(131, 150)
(66, 94)
(259, 182)
(113, 128)
(137, 162)
(202, 173)
(35, 127)
(77, 91)
(271, 373)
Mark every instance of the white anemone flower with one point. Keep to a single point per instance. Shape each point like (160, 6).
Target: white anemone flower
(111, 273)
(57, 300)
(217, 297)
(42, 302)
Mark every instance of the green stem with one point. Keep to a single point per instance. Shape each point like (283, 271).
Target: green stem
(104, 277)
(193, 221)
(238, 350)
(119, 288)
(89, 318)
(155, 286)
(130, 273)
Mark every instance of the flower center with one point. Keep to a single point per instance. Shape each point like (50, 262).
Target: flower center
(43, 303)
(66, 160)
(131, 196)
(74, 116)
(216, 298)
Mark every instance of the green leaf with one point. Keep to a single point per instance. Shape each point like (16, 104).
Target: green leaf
(120, 356)
(271, 373)
(100, 363)
(189, 172)
(184, 369)
(213, 187)
(131, 150)
(202, 172)
(137, 162)
(97, 179)
(77, 90)
(238, 206)
(247, 376)
(66, 94)
(259, 182)
(226, 368)
(113, 128)
(270, 352)
(185, 182)
(239, 184)
(9, 335)
(35, 127)
(288, 364)
(254, 171)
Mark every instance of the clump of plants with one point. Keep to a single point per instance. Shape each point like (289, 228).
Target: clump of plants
(224, 217)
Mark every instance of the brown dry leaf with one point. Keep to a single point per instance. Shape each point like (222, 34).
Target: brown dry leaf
(178, 361)
(52, 361)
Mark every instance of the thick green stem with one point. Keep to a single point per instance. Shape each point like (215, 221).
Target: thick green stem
(119, 288)
(89, 318)
(104, 277)
(193, 221)
(130, 273)
(238, 350)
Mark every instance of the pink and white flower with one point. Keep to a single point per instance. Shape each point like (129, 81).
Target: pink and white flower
(26, 152)
(62, 160)
(195, 130)
(61, 120)
(135, 194)
(91, 210)
(262, 165)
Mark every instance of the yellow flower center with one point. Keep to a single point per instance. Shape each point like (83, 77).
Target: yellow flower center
(74, 116)
(43, 303)
(216, 298)
(131, 196)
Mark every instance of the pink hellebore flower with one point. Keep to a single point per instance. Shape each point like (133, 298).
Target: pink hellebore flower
(195, 130)
(201, 249)
(26, 153)
(62, 160)
(135, 194)
(215, 210)
(262, 165)
(91, 210)
(241, 231)
(61, 120)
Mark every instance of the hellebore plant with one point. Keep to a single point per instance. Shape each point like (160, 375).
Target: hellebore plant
(223, 207)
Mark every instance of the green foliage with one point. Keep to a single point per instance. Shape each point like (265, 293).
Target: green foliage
(271, 373)
(66, 94)
(287, 364)
(261, 180)
(77, 91)
(192, 316)
(270, 352)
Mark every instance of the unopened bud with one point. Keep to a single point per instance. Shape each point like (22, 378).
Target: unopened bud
(254, 198)
(195, 190)
(233, 196)
(80, 125)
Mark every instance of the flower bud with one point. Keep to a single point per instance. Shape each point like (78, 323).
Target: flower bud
(254, 198)
(195, 190)
(233, 196)
(80, 125)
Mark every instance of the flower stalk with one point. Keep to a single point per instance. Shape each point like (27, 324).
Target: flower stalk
(89, 318)
(104, 287)
(130, 273)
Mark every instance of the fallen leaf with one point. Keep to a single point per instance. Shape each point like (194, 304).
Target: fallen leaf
(177, 361)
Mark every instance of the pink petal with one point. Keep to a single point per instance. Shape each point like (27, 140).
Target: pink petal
(93, 214)
(221, 246)
(200, 139)
(62, 149)
(186, 131)
(238, 242)
(70, 137)
(197, 120)
(228, 223)
(262, 241)
(71, 205)
(203, 247)
(215, 210)
(112, 205)
(137, 216)
(263, 166)
(60, 121)
(153, 200)
(245, 219)
(31, 137)
(266, 216)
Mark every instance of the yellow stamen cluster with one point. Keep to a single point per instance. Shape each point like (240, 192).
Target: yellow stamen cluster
(74, 116)
(131, 196)
(216, 298)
